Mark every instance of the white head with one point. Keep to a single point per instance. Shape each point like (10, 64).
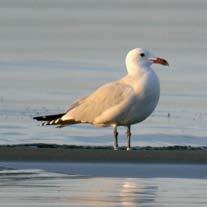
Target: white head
(139, 58)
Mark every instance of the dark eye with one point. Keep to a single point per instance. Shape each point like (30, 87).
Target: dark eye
(142, 54)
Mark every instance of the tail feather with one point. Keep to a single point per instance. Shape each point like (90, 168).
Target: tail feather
(48, 117)
(54, 120)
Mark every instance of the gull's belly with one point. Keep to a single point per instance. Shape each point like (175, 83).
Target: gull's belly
(143, 109)
(145, 101)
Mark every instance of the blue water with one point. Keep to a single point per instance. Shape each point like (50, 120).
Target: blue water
(78, 184)
(53, 52)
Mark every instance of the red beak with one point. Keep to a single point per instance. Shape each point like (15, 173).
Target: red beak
(160, 61)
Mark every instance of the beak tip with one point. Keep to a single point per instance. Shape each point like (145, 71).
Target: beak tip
(161, 61)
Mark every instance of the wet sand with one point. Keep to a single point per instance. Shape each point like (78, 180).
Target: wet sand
(102, 154)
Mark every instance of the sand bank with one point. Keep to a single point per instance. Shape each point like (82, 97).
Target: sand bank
(53, 153)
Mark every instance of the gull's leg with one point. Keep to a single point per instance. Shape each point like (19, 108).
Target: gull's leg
(115, 138)
(129, 138)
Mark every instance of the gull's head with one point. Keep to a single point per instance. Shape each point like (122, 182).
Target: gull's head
(142, 58)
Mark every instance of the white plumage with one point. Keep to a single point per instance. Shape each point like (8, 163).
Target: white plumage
(127, 101)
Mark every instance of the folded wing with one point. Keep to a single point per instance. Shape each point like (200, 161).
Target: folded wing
(107, 105)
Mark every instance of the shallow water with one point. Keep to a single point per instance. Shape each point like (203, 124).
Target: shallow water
(53, 52)
(29, 187)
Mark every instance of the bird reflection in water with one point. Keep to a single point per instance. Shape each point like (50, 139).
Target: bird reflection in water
(134, 192)
(109, 192)
(129, 193)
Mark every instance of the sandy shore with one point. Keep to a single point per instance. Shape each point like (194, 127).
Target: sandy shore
(93, 154)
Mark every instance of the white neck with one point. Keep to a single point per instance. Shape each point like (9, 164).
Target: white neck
(135, 68)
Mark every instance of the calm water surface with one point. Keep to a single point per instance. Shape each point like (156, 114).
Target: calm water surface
(41, 188)
(53, 52)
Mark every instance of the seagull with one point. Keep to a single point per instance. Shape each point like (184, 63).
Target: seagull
(124, 102)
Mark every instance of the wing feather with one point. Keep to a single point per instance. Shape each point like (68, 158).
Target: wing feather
(102, 106)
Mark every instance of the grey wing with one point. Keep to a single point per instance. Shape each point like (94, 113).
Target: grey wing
(103, 106)
(76, 104)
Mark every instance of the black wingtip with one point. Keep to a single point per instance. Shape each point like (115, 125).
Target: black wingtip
(39, 118)
(48, 117)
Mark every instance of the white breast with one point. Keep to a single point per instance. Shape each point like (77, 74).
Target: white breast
(147, 90)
